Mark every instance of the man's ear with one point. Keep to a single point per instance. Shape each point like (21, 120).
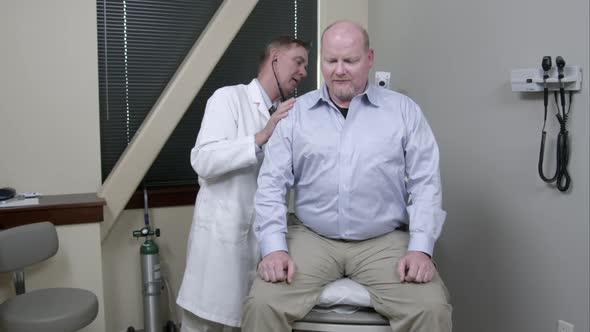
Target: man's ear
(371, 55)
(274, 54)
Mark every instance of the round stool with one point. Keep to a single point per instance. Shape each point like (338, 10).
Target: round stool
(364, 320)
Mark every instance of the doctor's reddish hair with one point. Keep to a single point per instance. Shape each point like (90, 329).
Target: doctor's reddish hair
(280, 42)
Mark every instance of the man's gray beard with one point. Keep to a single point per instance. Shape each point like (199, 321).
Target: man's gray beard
(344, 94)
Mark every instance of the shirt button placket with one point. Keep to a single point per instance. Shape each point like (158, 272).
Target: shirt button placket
(344, 187)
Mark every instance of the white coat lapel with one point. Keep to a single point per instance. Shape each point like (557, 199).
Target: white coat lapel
(257, 99)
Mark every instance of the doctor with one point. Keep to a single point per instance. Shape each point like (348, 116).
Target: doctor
(222, 250)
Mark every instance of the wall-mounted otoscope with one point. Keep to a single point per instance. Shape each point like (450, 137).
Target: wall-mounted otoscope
(561, 176)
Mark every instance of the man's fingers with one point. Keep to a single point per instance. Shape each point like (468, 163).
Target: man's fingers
(290, 101)
(428, 276)
(266, 272)
(273, 272)
(276, 267)
(420, 274)
(427, 273)
(416, 267)
(284, 109)
(261, 273)
(290, 270)
(267, 276)
(421, 271)
(279, 273)
(412, 272)
(287, 105)
(272, 275)
(401, 269)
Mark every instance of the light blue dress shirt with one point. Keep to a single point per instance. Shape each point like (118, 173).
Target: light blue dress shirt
(352, 177)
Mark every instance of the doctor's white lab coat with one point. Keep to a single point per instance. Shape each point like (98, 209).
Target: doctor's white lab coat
(222, 251)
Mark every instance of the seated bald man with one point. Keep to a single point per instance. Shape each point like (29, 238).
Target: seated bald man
(353, 153)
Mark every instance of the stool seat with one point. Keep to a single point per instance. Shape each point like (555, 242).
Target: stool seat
(365, 316)
(49, 310)
(364, 320)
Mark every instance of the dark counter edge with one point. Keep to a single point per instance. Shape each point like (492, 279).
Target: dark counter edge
(88, 208)
(57, 209)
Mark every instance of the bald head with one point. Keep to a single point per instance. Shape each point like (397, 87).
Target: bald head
(345, 61)
(347, 28)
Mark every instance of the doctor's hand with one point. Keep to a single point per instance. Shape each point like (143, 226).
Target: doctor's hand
(416, 266)
(276, 267)
(281, 112)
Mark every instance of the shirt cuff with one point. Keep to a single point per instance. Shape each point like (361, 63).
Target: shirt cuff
(273, 242)
(421, 242)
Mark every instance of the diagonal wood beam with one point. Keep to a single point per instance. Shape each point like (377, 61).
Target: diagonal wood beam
(170, 107)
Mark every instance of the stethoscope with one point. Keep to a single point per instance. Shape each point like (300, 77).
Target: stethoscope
(273, 108)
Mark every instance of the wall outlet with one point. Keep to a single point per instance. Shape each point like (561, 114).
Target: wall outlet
(382, 79)
(563, 326)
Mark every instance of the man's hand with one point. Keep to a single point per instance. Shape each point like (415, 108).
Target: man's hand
(281, 112)
(416, 266)
(276, 267)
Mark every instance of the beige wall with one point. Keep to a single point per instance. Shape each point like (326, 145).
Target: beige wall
(48, 96)
(49, 139)
(333, 10)
(514, 252)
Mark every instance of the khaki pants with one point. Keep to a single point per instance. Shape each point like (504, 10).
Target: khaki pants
(194, 323)
(412, 307)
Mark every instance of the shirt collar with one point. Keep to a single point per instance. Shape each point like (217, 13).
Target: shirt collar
(267, 102)
(370, 94)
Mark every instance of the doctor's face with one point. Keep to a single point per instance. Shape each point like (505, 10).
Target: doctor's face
(291, 67)
(345, 62)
